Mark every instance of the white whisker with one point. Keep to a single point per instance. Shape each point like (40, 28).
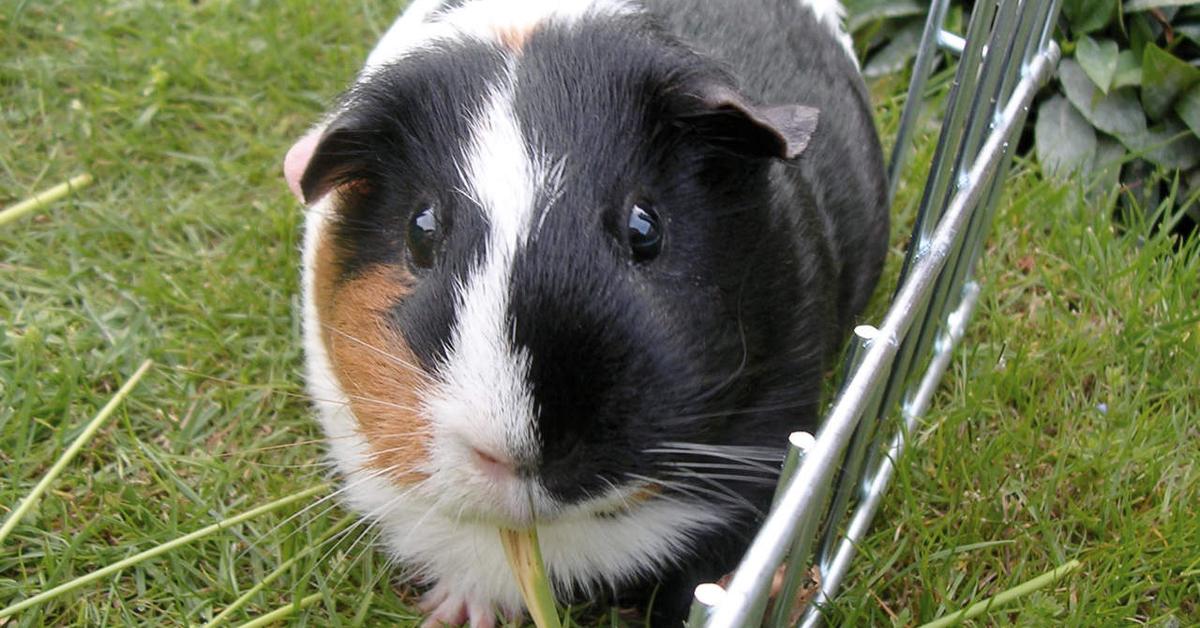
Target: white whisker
(398, 361)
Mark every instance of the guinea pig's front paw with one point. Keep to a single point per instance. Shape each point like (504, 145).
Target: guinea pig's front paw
(443, 606)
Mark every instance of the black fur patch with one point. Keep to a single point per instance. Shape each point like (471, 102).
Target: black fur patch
(621, 353)
(781, 54)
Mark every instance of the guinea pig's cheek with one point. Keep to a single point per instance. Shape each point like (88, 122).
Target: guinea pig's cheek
(376, 369)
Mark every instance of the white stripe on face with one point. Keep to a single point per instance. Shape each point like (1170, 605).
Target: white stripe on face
(483, 400)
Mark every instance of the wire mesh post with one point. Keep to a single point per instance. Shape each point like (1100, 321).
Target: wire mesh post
(705, 599)
(922, 66)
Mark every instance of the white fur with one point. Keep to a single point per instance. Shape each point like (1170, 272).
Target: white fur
(424, 22)
(406, 33)
(832, 15)
(579, 549)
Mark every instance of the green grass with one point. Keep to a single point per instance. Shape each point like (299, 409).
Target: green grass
(185, 251)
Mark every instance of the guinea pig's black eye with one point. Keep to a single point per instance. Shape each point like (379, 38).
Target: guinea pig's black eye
(645, 232)
(424, 236)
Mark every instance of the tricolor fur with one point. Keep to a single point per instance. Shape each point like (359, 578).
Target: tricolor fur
(536, 373)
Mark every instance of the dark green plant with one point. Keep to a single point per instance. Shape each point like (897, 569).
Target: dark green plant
(1126, 107)
(886, 32)
(1124, 111)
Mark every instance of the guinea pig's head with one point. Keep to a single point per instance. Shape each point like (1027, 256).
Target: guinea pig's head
(545, 276)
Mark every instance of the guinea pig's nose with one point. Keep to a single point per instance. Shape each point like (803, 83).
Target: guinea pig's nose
(493, 466)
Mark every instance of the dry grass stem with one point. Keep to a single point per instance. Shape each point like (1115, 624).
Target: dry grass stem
(88, 432)
(282, 612)
(44, 198)
(525, 558)
(159, 550)
(1005, 597)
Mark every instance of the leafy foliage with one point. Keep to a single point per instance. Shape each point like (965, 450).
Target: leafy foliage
(1124, 111)
(1132, 75)
(886, 32)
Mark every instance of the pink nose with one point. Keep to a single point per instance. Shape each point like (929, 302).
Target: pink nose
(494, 467)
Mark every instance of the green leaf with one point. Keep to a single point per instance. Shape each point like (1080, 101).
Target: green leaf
(895, 55)
(1116, 113)
(1041, 608)
(1099, 60)
(1191, 31)
(1144, 5)
(1192, 179)
(863, 12)
(1170, 145)
(1064, 141)
(1164, 78)
(1129, 70)
(1188, 108)
(1086, 16)
(1105, 169)
(1142, 31)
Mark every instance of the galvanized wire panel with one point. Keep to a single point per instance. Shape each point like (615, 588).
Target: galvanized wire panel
(1006, 56)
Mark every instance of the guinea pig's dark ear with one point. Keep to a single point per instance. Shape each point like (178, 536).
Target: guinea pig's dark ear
(730, 120)
(325, 159)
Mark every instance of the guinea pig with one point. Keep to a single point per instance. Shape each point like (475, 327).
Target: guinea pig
(582, 264)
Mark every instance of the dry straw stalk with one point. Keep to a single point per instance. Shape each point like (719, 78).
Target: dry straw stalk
(525, 557)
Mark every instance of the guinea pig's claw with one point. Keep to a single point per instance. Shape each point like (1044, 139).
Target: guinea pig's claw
(433, 598)
(443, 608)
(481, 615)
(443, 616)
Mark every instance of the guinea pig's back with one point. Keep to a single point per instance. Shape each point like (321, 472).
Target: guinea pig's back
(795, 51)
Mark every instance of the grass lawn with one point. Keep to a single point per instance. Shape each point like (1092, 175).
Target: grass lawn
(1066, 428)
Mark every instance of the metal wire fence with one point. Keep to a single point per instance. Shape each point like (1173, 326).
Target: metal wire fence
(1005, 56)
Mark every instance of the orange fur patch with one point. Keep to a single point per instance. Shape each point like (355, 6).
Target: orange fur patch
(643, 495)
(647, 493)
(514, 36)
(374, 365)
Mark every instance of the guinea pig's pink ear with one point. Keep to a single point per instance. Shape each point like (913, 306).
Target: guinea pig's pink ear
(730, 120)
(323, 160)
(297, 159)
